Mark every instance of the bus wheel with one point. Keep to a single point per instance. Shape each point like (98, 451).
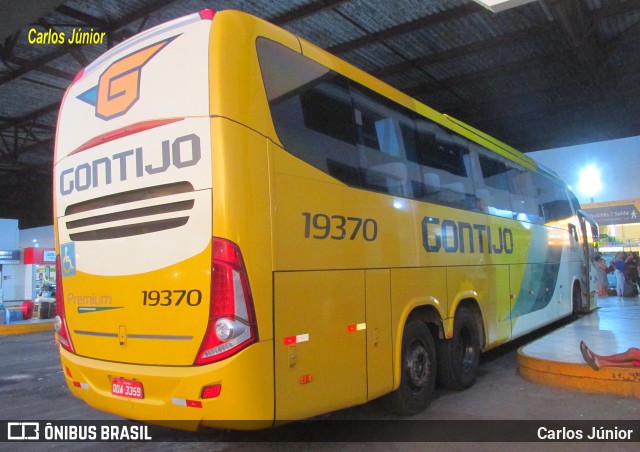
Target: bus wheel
(576, 301)
(418, 372)
(459, 357)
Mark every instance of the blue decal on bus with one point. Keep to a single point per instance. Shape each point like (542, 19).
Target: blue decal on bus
(68, 259)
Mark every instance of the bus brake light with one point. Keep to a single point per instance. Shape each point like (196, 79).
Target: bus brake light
(232, 324)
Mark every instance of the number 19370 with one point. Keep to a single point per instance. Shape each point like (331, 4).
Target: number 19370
(171, 297)
(337, 227)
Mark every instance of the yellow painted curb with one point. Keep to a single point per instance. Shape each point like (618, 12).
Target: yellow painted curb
(609, 380)
(26, 327)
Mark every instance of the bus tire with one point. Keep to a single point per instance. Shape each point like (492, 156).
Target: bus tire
(576, 301)
(459, 357)
(418, 372)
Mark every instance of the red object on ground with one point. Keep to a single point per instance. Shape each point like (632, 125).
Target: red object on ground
(27, 309)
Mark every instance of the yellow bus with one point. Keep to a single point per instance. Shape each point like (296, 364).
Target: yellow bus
(251, 230)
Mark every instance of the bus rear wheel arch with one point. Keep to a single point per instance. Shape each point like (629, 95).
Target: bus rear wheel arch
(459, 357)
(418, 371)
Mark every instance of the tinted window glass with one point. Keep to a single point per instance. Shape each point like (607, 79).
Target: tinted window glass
(311, 110)
(494, 195)
(553, 199)
(384, 137)
(523, 195)
(439, 149)
(326, 109)
(446, 166)
(368, 141)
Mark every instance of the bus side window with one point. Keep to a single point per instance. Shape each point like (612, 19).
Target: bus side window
(552, 198)
(523, 195)
(381, 144)
(444, 157)
(311, 110)
(326, 109)
(494, 174)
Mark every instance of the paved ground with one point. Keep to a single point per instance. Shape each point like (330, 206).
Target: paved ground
(32, 388)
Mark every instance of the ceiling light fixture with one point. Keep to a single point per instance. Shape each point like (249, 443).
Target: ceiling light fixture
(501, 5)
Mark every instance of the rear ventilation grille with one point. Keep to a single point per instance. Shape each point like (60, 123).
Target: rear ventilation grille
(131, 213)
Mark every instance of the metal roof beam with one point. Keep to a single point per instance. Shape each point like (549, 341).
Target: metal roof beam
(541, 29)
(547, 59)
(306, 11)
(13, 122)
(520, 108)
(408, 27)
(39, 65)
(138, 14)
(28, 66)
(463, 50)
(560, 125)
(82, 16)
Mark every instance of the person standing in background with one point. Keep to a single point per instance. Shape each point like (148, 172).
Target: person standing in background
(618, 264)
(601, 275)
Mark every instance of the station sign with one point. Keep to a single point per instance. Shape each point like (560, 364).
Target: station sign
(9, 256)
(39, 256)
(614, 214)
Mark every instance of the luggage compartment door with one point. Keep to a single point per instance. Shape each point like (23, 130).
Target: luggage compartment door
(320, 342)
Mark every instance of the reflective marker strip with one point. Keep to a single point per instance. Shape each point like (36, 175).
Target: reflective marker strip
(356, 327)
(289, 340)
(185, 402)
(77, 384)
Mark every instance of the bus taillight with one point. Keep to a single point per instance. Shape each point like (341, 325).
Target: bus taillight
(60, 322)
(232, 324)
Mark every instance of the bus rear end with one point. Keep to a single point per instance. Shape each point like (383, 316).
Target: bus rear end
(156, 315)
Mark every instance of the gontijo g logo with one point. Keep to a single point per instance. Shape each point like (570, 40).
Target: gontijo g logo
(118, 87)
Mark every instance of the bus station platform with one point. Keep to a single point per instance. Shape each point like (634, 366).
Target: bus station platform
(555, 359)
(27, 326)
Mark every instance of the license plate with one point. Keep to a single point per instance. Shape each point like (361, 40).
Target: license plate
(124, 387)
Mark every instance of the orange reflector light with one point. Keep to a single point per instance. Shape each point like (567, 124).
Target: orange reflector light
(211, 392)
(289, 340)
(68, 372)
(304, 379)
(186, 402)
(356, 327)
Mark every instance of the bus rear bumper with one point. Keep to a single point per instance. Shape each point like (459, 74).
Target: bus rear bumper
(172, 396)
